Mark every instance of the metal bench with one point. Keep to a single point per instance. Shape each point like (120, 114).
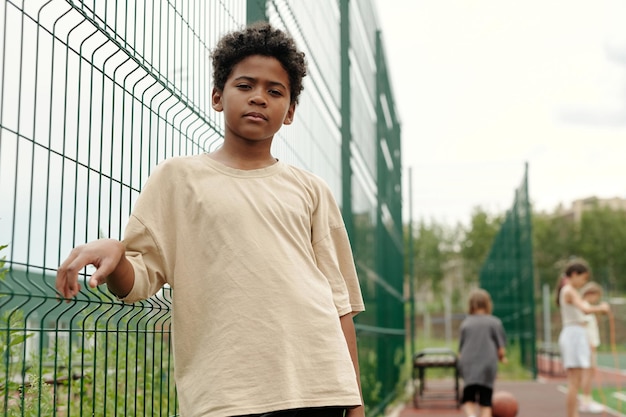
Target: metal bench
(435, 358)
(549, 360)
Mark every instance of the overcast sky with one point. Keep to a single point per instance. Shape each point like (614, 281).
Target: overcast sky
(484, 86)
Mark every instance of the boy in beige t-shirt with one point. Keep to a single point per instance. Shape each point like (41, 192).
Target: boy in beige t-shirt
(256, 252)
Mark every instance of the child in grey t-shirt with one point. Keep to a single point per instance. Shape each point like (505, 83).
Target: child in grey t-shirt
(481, 345)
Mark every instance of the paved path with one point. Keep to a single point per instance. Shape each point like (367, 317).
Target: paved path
(542, 398)
(535, 399)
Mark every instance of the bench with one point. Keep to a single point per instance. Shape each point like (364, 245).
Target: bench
(549, 360)
(442, 358)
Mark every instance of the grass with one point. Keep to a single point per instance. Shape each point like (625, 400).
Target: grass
(511, 371)
(611, 397)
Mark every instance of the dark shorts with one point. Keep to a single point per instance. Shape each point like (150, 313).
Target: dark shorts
(477, 394)
(303, 412)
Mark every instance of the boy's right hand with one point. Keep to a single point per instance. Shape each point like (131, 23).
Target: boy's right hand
(104, 254)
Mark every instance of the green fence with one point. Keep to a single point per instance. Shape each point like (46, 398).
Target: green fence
(508, 276)
(92, 96)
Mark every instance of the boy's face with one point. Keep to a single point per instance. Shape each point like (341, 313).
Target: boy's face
(256, 99)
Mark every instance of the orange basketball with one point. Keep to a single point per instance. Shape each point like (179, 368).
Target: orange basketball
(504, 404)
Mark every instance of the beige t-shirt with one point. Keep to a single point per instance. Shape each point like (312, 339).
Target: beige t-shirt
(261, 270)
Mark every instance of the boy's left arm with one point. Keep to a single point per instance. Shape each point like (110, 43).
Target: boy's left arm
(347, 325)
(501, 342)
(502, 355)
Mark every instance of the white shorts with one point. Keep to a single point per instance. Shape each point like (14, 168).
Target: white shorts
(575, 349)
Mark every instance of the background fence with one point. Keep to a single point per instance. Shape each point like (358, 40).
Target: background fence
(92, 96)
(508, 276)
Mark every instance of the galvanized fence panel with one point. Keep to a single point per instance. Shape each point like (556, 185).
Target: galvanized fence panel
(92, 96)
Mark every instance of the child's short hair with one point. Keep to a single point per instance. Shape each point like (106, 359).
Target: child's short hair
(591, 288)
(259, 39)
(480, 299)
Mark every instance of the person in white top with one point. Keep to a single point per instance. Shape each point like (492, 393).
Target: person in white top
(573, 341)
(591, 294)
(256, 252)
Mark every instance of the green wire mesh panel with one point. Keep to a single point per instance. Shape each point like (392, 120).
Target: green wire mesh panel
(94, 356)
(507, 275)
(93, 95)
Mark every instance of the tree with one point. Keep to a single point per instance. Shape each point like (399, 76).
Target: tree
(477, 241)
(599, 238)
(602, 242)
(430, 254)
(555, 239)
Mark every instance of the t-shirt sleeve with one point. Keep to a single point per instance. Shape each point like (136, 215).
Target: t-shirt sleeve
(146, 235)
(334, 255)
(461, 337)
(145, 257)
(335, 261)
(500, 335)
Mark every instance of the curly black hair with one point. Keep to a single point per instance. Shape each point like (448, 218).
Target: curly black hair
(259, 39)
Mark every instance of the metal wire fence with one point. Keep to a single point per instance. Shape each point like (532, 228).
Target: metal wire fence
(508, 276)
(93, 95)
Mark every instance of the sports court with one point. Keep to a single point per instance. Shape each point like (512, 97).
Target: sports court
(544, 397)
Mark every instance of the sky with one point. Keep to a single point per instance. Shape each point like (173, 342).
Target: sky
(483, 87)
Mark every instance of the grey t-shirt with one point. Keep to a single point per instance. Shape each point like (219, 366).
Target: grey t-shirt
(481, 336)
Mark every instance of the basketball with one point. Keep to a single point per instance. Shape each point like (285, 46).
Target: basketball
(504, 404)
